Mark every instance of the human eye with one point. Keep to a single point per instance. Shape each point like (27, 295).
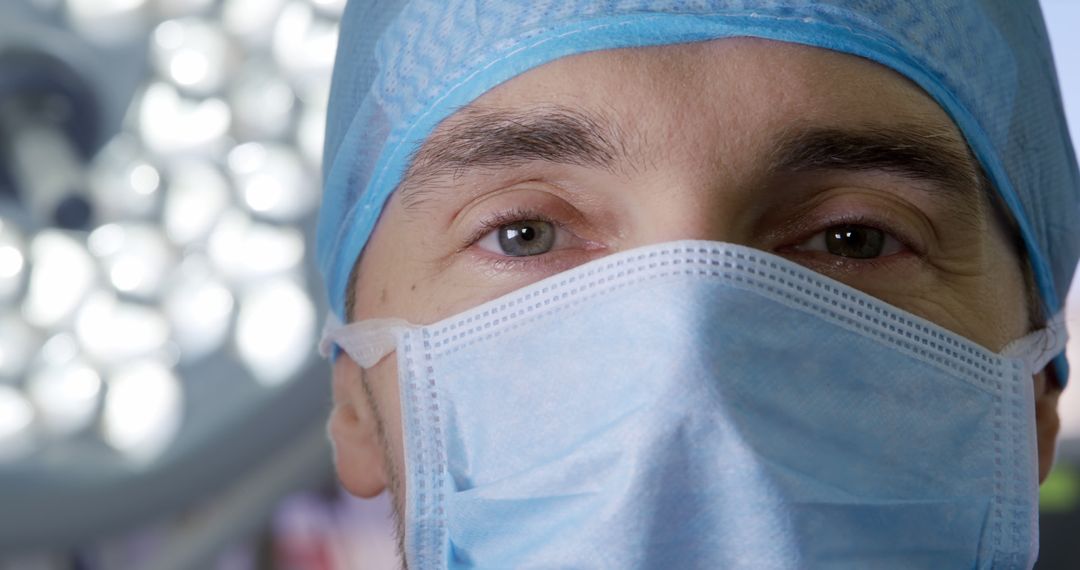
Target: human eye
(520, 238)
(853, 241)
(521, 233)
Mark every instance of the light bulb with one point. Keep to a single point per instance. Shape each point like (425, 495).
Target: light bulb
(113, 332)
(135, 258)
(143, 409)
(63, 273)
(274, 330)
(244, 251)
(272, 181)
(174, 125)
(200, 308)
(65, 395)
(192, 53)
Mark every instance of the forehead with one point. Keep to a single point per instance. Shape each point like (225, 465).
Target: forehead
(743, 85)
(739, 106)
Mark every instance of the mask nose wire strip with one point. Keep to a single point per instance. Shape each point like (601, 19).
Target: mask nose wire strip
(366, 342)
(1040, 347)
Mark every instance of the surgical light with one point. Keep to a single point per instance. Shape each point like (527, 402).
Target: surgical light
(175, 306)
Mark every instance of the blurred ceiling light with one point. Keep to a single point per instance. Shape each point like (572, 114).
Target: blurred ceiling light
(304, 45)
(272, 181)
(66, 396)
(142, 410)
(112, 331)
(199, 308)
(330, 8)
(251, 21)
(274, 330)
(262, 102)
(18, 343)
(192, 53)
(197, 194)
(107, 21)
(312, 128)
(171, 124)
(123, 183)
(136, 258)
(181, 8)
(243, 250)
(16, 422)
(61, 275)
(59, 349)
(12, 262)
(144, 179)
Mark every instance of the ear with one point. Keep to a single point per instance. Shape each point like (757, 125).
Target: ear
(1047, 422)
(353, 431)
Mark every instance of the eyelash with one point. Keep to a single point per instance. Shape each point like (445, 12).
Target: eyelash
(520, 214)
(859, 219)
(506, 217)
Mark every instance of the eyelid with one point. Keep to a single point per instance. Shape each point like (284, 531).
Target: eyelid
(492, 222)
(811, 229)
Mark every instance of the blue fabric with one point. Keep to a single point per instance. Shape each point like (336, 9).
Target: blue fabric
(402, 67)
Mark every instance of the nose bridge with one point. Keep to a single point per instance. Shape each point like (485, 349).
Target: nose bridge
(700, 209)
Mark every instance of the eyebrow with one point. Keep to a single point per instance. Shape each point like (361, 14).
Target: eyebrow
(912, 151)
(494, 139)
(500, 139)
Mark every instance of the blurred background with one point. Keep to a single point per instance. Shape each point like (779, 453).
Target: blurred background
(161, 403)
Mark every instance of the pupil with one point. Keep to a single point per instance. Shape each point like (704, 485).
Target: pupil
(529, 237)
(860, 242)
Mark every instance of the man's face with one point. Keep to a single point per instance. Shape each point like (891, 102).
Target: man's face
(829, 160)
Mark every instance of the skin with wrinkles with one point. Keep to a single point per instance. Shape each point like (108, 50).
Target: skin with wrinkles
(691, 142)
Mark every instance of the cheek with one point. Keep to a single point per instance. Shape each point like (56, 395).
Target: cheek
(383, 379)
(988, 308)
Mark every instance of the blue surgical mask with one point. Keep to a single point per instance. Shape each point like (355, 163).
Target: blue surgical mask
(705, 405)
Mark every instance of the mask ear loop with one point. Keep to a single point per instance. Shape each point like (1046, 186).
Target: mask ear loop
(1037, 349)
(366, 342)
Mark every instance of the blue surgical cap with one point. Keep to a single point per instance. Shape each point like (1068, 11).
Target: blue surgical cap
(403, 67)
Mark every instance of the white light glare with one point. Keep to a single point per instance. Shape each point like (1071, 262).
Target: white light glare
(243, 250)
(179, 8)
(312, 129)
(305, 45)
(12, 262)
(113, 332)
(136, 257)
(107, 21)
(171, 124)
(144, 179)
(122, 182)
(192, 53)
(63, 272)
(16, 421)
(274, 331)
(66, 396)
(252, 21)
(262, 102)
(199, 308)
(272, 181)
(142, 411)
(18, 342)
(198, 193)
(332, 8)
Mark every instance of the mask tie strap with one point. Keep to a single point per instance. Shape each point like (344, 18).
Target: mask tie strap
(366, 342)
(1037, 349)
